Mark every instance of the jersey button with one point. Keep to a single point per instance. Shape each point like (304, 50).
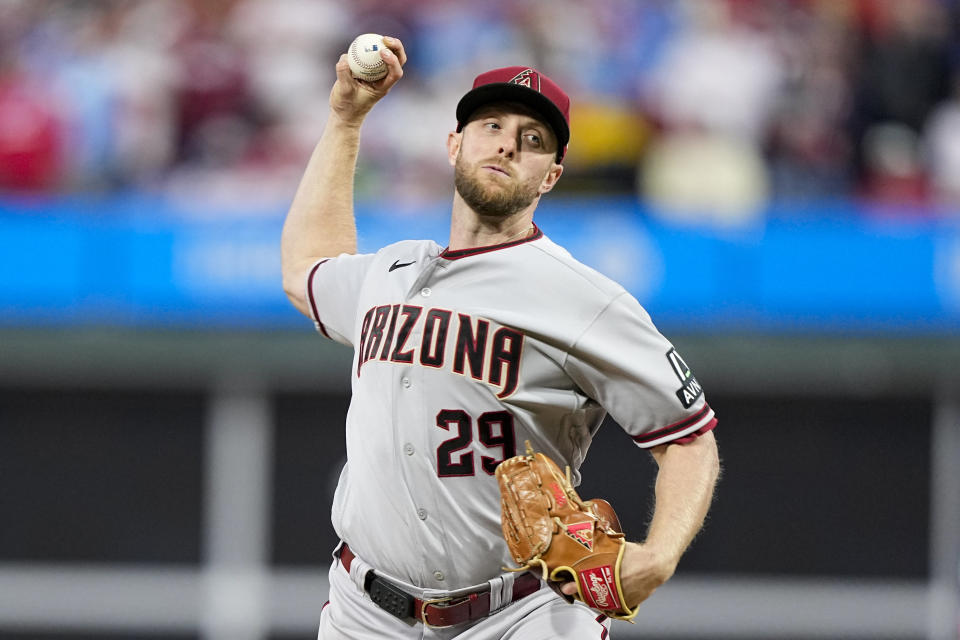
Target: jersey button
(425, 292)
(408, 449)
(439, 575)
(405, 382)
(422, 514)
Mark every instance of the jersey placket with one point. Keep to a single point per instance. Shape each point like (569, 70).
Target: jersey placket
(414, 423)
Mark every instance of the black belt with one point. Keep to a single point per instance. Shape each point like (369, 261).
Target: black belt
(444, 612)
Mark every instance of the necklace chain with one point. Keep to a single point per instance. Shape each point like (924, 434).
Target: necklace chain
(521, 232)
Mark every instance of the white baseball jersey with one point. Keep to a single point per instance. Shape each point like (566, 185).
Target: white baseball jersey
(459, 358)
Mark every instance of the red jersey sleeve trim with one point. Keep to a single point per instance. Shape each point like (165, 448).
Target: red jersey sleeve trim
(702, 421)
(311, 298)
(690, 437)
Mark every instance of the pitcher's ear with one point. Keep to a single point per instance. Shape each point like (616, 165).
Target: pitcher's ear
(550, 180)
(453, 146)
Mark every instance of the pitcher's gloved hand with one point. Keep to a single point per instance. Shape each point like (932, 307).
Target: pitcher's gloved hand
(549, 529)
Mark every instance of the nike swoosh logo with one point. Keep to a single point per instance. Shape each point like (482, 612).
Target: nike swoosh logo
(397, 265)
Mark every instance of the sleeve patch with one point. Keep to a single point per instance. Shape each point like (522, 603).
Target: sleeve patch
(690, 389)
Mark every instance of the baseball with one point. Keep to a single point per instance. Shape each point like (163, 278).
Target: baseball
(364, 57)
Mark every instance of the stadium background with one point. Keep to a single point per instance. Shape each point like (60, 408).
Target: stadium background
(778, 182)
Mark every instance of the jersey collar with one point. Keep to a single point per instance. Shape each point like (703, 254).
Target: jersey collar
(472, 251)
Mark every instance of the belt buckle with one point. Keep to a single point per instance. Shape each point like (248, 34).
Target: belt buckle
(391, 599)
(423, 612)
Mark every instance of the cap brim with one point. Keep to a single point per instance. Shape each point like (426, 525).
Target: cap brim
(509, 92)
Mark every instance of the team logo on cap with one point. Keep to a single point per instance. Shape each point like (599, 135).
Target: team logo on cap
(527, 78)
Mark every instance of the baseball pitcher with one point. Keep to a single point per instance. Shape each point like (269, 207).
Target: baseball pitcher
(498, 347)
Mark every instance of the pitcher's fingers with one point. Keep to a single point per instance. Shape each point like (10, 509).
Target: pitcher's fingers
(343, 69)
(396, 46)
(394, 68)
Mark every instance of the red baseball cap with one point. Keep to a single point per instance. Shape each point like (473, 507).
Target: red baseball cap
(526, 86)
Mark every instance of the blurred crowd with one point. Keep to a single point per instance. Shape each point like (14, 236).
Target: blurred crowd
(707, 109)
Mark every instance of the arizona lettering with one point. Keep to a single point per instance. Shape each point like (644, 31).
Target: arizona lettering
(439, 338)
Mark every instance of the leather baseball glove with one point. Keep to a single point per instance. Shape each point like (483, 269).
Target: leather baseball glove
(549, 529)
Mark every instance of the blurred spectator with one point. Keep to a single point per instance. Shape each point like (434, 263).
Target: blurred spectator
(705, 178)
(30, 134)
(713, 95)
(808, 149)
(903, 72)
(942, 147)
(214, 107)
(717, 75)
(892, 166)
(117, 84)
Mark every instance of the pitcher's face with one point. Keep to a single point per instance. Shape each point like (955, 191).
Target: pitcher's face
(505, 159)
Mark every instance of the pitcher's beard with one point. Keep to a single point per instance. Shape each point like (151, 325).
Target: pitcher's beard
(500, 202)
